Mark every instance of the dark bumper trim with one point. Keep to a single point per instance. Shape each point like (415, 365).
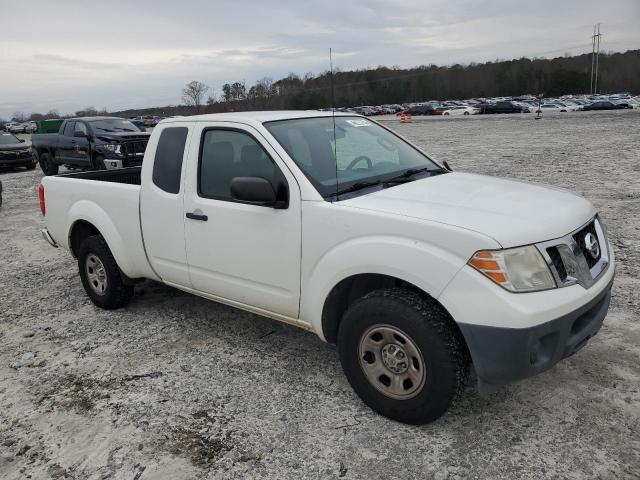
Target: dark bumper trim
(47, 236)
(505, 355)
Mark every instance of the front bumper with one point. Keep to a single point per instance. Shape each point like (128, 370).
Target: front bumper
(512, 336)
(21, 161)
(504, 355)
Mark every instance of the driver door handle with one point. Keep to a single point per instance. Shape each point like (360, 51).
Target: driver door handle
(197, 216)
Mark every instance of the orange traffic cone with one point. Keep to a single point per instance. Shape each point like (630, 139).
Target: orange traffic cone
(404, 118)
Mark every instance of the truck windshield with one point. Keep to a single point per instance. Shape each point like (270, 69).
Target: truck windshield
(367, 154)
(113, 125)
(8, 139)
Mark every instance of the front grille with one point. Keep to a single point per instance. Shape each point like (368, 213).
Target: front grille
(571, 261)
(134, 148)
(556, 259)
(580, 237)
(16, 154)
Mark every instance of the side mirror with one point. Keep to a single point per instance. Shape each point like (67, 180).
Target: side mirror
(21, 140)
(80, 134)
(256, 191)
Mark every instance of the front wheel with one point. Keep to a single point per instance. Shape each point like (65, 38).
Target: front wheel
(32, 164)
(100, 275)
(98, 163)
(403, 355)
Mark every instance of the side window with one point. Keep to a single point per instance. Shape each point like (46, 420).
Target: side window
(227, 154)
(167, 165)
(80, 127)
(68, 129)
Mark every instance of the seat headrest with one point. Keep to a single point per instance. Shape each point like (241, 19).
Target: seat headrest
(223, 151)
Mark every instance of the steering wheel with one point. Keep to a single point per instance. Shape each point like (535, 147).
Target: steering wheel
(358, 160)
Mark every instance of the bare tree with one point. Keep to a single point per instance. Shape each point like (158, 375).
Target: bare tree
(20, 117)
(87, 112)
(193, 93)
(53, 113)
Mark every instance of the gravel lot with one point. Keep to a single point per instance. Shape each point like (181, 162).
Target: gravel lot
(177, 387)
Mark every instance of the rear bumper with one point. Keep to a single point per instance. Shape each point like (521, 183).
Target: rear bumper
(503, 355)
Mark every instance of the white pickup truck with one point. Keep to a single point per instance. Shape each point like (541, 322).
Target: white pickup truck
(339, 226)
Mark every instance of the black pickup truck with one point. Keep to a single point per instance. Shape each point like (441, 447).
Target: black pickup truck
(500, 107)
(14, 152)
(93, 143)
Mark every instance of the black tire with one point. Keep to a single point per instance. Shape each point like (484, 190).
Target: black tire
(31, 165)
(47, 164)
(437, 338)
(98, 163)
(115, 294)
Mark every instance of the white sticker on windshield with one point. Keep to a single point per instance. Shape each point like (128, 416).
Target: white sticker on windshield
(360, 123)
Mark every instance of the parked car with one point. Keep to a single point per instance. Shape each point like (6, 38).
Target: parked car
(92, 143)
(454, 111)
(413, 280)
(500, 107)
(15, 153)
(604, 105)
(139, 124)
(550, 107)
(16, 128)
(421, 110)
(30, 127)
(9, 125)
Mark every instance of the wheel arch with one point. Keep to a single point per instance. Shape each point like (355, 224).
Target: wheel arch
(350, 289)
(88, 218)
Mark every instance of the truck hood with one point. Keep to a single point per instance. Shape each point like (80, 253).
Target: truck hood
(110, 136)
(511, 212)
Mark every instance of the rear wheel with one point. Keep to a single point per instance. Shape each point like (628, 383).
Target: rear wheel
(48, 166)
(403, 355)
(101, 276)
(466, 113)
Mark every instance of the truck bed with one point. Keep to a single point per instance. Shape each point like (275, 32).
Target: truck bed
(128, 176)
(109, 200)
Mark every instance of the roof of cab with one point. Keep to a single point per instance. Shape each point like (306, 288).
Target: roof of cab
(256, 116)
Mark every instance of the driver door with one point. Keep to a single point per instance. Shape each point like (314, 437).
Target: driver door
(80, 150)
(249, 254)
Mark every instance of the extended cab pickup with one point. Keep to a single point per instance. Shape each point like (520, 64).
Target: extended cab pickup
(339, 226)
(93, 143)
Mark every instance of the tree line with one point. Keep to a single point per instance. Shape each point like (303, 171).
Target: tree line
(618, 72)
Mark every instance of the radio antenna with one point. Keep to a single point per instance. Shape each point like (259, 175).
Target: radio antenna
(333, 117)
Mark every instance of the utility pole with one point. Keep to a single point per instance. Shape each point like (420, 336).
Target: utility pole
(595, 86)
(595, 56)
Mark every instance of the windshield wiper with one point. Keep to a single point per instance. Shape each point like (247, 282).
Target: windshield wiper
(358, 186)
(406, 175)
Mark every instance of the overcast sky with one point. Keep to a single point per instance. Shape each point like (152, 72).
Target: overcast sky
(118, 54)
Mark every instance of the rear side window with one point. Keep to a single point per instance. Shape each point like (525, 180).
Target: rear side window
(167, 165)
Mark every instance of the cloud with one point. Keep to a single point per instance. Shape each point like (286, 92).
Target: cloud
(120, 54)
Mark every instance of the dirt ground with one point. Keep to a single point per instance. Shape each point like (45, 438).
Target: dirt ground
(176, 387)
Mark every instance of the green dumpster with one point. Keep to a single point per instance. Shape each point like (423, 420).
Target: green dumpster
(49, 126)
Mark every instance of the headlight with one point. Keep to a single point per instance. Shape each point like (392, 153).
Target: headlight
(520, 269)
(112, 148)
